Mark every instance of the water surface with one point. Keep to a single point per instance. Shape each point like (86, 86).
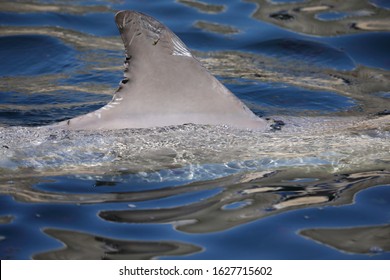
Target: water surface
(314, 186)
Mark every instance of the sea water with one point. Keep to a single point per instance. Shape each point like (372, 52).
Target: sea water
(316, 187)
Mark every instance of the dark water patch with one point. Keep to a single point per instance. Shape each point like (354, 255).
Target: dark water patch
(52, 98)
(306, 52)
(34, 55)
(33, 117)
(373, 200)
(373, 53)
(37, 117)
(101, 24)
(274, 98)
(52, 6)
(97, 77)
(361, 209)
(367, 235)
(39, 109)
(17, 236)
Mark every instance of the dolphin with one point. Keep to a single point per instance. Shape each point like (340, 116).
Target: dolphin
(163, 85)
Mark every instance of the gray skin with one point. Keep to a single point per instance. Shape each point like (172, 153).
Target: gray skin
(163, 85)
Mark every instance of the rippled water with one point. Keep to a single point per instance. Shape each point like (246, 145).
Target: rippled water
(316, 187)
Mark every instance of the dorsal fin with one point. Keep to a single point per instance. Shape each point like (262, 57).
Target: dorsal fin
(164, 85)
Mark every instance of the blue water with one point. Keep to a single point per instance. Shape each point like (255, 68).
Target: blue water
(184, 193)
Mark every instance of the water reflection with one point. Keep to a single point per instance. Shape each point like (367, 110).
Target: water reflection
(196, 208)
(203, 6)
(37, 7)
(216, 27)
(307, 52)
(268, 194)
(307, 17)
(83, 246)
(357, 240)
